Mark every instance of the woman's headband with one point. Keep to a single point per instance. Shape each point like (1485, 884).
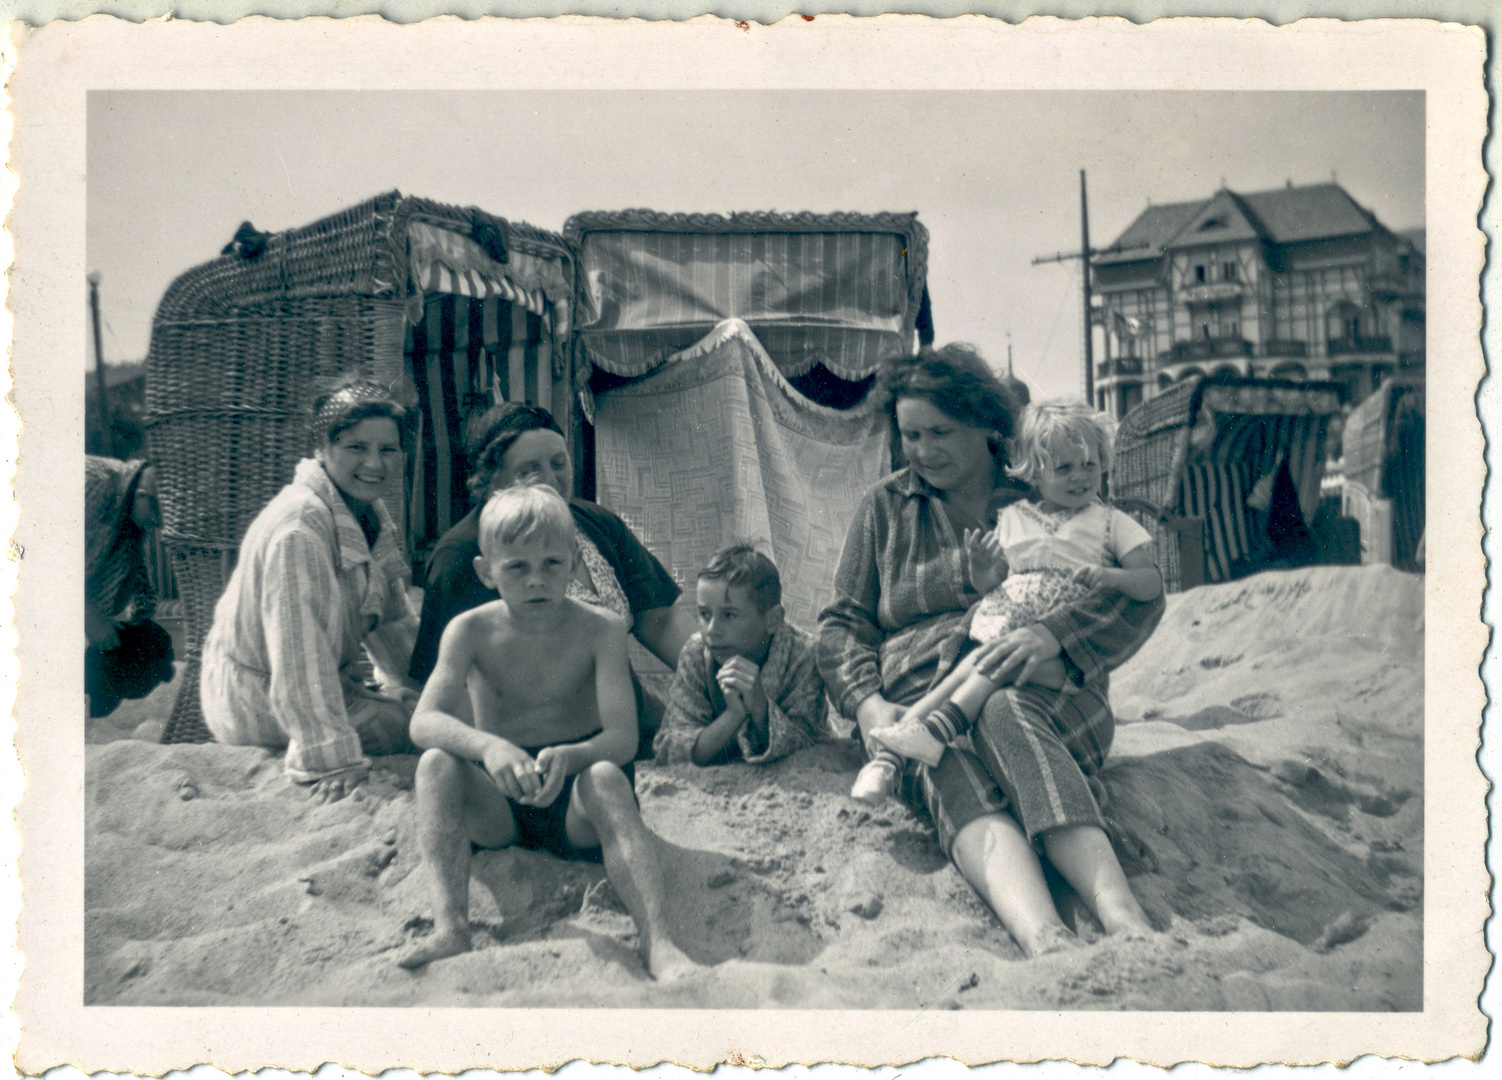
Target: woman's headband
(339, 404)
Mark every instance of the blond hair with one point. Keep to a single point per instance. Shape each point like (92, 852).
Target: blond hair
(1054, 423)
(520, 513)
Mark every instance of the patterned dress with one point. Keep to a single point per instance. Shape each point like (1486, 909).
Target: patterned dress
(1045, 550)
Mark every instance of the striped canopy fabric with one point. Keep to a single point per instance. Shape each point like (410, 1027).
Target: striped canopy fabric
(841, 291)
(1244, 430)
(463, 356)
(442, 261)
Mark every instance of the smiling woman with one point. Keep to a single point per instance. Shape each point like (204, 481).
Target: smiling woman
(321, 578)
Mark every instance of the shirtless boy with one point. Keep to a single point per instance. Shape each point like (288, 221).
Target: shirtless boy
(555, 721)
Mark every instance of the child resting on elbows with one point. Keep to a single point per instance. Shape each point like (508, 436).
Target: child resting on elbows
(1046, 551)
(547, 762)
(747, 686)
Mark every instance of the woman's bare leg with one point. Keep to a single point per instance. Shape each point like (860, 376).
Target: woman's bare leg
(994, 856)
(1082, 853)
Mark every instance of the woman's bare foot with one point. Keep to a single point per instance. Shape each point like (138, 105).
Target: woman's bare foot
(436, 946)
(1047, 939)
(668, 963)
(1122, 915)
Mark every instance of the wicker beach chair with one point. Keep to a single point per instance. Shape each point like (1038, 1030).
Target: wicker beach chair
(453, 306)
(1191, 494)
(1383, 450)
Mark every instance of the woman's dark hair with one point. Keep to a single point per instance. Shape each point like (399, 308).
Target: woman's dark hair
(352, 399)
(496, 432)
(955, 380)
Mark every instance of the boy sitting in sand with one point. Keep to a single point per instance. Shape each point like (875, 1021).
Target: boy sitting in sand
(547, 762)
(747, 686)
(1046, 551)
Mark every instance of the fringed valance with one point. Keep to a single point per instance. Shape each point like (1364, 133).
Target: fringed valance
(840, 290)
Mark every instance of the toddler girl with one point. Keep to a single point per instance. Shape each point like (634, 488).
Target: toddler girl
(1046, 551)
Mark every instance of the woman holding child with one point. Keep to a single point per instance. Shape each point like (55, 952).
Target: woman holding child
(899, 624)
(321, 576)
(521, 444)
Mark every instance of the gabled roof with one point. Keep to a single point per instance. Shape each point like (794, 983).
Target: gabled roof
(1287, 215)
(1153, 229)
(1223, 217)
(1316, 212)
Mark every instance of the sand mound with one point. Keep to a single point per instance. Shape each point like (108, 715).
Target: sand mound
(1265, 794)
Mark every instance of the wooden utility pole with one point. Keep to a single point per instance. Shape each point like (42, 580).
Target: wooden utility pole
(1089, 332)
(106, 437)
(1085, 254)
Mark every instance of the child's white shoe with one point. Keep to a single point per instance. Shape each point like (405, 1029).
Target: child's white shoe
(875, 783)
(910, 739)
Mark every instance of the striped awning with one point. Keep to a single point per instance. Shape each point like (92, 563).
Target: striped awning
(445, 262)
(463, 356)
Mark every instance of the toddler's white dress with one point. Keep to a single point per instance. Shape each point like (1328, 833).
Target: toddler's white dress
(1044, 552)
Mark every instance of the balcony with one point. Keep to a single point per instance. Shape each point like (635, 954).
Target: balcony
(1211, 349)
(1275, 348)
(1215, 293)
(1123, 365)
(1347, 346)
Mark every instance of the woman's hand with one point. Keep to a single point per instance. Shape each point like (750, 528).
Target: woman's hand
(1018, 657)
(333, 788)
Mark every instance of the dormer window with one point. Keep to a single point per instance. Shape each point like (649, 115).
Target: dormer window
(1213, 223)
(1228, 271)
(1199, 272)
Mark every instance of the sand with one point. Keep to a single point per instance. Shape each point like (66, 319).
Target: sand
(1266, 788)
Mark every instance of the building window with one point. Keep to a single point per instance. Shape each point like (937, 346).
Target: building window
(1205, 331)
(1199, 272)
(1228, 271)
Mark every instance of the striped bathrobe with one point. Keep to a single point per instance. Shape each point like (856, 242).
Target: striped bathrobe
(280, 666)
(898, 622)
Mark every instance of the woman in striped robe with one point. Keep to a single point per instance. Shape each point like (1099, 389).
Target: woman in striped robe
(320, 584)
(898, 624)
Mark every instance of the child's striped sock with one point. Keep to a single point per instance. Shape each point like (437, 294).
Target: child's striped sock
(947, 723)
(891, 757)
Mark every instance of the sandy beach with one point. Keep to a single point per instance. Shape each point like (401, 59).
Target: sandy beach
(1265, 786)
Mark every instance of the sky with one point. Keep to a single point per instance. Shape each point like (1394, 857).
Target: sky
(993, 175)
